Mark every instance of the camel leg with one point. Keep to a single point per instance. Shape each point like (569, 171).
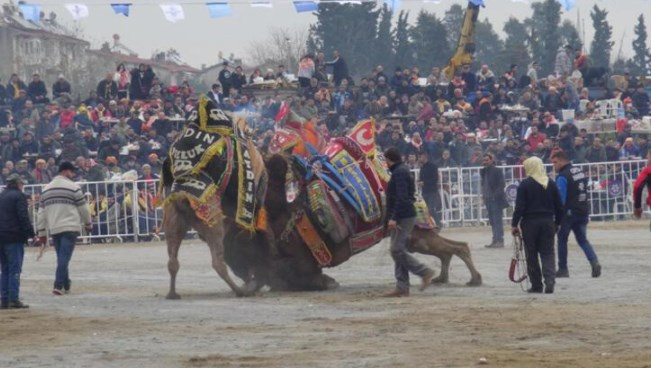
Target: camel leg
(175, 229)
(465, 256)
(443, 277)
(215, 237)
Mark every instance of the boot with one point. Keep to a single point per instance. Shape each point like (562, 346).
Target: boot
(549, 289)
(497, 244)
(596, 269)
(396, 293)
(562, 272)
(4, 304)
(535, 290)
(17, 305)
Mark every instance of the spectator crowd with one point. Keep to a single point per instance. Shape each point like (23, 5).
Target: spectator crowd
(130, 120)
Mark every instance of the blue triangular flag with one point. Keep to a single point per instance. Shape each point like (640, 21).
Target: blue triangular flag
(30, 12)
(218, 10)
(478, 3)
(568, 4)
(305, 6)
(393, 5)
(121, 9)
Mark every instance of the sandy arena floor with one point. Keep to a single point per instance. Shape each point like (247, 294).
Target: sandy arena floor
(117, 316)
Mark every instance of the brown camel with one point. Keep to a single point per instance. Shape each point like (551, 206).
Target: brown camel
(431, 243)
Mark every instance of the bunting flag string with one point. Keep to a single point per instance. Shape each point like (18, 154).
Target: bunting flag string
(121, 9)
(306, 6)
(218, 10)
(172, 12)
(30, 12)
(77, 11)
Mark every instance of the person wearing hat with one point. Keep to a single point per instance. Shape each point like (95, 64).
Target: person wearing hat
(61, 214)
(15, 229)
(539, 213)
(60, 87)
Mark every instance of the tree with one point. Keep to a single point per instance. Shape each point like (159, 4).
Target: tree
(543, 32)
(383, 41)
(489, 47)
(570, 35)
(601, 46)
(516, 49)
(642, 56)
(282, 46)
(429, 40)
(453, 21)
(402, 46)
(349, 28)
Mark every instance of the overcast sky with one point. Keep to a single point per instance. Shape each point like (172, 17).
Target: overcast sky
(199, 38)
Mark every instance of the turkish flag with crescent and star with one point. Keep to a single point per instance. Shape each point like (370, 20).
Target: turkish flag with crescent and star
(364, 134)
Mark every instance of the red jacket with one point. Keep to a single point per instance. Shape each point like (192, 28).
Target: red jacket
(644, 180)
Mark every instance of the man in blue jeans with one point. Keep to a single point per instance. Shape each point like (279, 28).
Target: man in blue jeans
(15, 229)
(492, 190)
(62, 212)
(572, 186)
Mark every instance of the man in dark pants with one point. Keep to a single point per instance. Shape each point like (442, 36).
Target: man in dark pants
(492, 190)
(539, 211)
(401, 214)
(62, 212)
(15, 229)
(429, 181)
(572, 186)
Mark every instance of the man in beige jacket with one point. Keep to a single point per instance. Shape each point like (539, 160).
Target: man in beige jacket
(62, 213)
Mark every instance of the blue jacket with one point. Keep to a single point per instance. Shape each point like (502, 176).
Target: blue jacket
(400, 193)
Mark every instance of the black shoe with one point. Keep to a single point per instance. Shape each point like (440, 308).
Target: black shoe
(562, 272)
(17, 305)
(495, 245)
(596, 269)
(549, 289)
(535, 291)
(4, 305)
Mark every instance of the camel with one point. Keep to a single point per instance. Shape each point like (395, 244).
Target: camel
(179, 214)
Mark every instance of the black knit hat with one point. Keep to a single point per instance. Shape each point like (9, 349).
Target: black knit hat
(66, 165)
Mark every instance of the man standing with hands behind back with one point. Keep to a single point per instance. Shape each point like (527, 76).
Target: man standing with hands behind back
(62, 213)
(492, 190)
(401, 215)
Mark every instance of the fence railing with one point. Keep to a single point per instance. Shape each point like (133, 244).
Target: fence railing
(610, 191)
(125, 210)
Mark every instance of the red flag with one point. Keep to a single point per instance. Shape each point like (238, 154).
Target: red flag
(282, 112)
(364, 134)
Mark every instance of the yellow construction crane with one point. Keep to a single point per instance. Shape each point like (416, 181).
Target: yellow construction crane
(466, 44)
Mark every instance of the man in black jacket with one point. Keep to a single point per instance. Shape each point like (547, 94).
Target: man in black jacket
(37, 91)
(539, 211)
(339, 68)
(572, 185)
(429, 181)
(492, 190)
(15, 229)
(401, 216)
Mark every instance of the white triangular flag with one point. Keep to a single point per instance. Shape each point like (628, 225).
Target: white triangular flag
(77, 11)
(262, 4)
(173, 12)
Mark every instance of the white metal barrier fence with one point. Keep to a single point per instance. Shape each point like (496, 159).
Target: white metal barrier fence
(610, 191)
(125, 210)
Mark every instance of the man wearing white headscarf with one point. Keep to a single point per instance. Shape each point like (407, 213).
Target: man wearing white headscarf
(538, 211)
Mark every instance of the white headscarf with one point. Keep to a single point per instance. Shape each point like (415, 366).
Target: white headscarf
(535, 169)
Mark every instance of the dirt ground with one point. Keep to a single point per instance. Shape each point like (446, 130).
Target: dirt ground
(116, 315)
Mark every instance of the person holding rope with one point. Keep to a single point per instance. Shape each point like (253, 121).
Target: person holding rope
(539, 211)
(643, 180)
(572, 185)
